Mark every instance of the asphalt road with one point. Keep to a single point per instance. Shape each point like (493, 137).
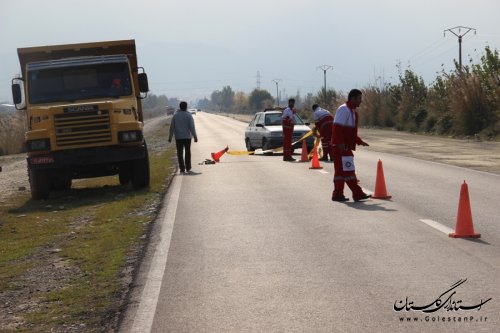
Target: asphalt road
(254, 244)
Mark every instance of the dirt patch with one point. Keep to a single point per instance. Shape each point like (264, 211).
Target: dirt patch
(46, 271)
(24, 296)
(468, 153)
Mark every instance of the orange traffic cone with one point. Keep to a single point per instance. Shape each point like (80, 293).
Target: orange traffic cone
(315, 161)
(218, 155)
(304, 157)
(464, 227)
(380, 190)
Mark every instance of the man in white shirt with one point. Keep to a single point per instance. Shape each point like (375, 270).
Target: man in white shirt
(323, 121)
(288, 122)
(344, 141)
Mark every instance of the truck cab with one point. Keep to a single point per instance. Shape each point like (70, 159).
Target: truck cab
(84, 114)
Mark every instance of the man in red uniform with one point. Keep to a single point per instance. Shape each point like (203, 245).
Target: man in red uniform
(287, 122)
(324, 124)
(344, 141)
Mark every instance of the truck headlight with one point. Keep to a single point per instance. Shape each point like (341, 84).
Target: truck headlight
(130, 136)
(38, 145)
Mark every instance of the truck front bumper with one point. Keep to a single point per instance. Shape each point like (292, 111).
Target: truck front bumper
(86, 157)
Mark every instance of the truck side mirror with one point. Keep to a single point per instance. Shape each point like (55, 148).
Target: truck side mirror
(16, 93)
(143, 83)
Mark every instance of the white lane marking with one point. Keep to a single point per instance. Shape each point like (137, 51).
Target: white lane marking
(438, 226)
(323, 171)
(147, 307)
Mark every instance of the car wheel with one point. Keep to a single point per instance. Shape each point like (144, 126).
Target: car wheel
(265, 146)
(249, 145)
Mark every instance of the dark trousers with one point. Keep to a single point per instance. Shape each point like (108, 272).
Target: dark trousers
(184, 144)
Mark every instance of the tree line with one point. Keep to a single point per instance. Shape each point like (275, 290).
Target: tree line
(462, 102)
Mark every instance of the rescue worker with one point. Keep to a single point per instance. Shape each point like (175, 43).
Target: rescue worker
(287, 122)
(344, 141)
(323, 120)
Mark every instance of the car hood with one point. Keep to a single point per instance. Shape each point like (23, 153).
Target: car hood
(296, 128)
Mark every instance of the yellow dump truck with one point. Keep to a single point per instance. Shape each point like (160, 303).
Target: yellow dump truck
(84, 114)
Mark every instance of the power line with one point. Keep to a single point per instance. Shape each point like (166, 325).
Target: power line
(277, 94)
(459, 35)
(324, 68)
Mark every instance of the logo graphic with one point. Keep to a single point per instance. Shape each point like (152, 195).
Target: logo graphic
(446, 300)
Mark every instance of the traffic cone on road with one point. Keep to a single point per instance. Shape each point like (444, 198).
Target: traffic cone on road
(380, 189)
(217, 156)
(315, 161)
(464, 227)
(304, 157)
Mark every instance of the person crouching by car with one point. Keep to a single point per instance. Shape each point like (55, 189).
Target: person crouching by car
(182, 125)
(288, 122)
(323, 120)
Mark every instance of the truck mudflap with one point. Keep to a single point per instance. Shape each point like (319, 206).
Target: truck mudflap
(86, 157)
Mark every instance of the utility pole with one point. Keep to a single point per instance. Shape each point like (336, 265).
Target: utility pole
(258, 80)
(459, 35)
(324, 68)
(277, 95)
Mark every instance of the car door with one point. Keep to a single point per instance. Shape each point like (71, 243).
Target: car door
(260, 130)
(251, 129)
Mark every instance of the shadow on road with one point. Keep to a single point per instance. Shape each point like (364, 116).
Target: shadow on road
(369, 205)
(477, 240)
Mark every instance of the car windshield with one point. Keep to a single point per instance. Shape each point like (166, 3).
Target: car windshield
(79, 82)
(298, 120)
(274, 119)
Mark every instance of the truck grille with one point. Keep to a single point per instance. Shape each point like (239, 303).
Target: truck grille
(84, 128)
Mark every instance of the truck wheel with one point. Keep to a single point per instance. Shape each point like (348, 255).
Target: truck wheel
(124, 174)
(140, 171)
(39, 184)
(61, 184)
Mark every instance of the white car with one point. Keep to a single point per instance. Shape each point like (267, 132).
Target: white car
(192, 111)
(265, 131)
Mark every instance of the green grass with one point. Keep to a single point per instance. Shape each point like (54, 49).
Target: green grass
(96, 247)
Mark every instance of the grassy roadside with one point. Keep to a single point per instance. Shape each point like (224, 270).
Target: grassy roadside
(65, 263)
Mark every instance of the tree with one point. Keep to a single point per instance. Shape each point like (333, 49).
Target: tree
(204, 103)
(240, 102)
(258, 98)
(327, 98)
(216, 99)
(162, 101)
(411, 110)
(227, 96)
(173, 102)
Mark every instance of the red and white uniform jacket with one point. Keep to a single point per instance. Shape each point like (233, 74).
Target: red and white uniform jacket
(287, 116)
(345, 127)
(322, 118)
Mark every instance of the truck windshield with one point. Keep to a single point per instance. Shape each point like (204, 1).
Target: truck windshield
(79, 82)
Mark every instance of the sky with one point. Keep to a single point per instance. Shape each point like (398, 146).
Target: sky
(190, 48)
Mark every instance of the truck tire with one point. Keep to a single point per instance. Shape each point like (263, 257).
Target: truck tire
(39, 184)
(140, 171)
(125, 174)
(61, 184)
